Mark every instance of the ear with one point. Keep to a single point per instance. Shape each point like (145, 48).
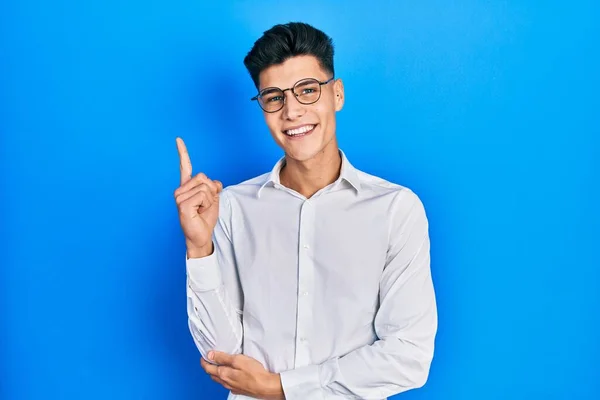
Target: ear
(338, 91)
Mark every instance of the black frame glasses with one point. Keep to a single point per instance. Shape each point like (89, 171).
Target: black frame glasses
(281, 92)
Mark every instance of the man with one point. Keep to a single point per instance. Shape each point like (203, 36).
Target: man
(311, 281)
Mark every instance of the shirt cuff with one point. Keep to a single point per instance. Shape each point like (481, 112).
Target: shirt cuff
(204, 273)
(302, 383)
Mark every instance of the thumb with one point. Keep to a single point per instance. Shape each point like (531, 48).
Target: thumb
(220, 358)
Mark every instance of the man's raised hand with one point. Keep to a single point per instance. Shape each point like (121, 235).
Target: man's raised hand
(197, 200)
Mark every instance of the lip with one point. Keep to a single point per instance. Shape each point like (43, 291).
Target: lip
(301, 135)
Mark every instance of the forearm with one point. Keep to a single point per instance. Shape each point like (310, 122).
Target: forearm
(213, 319)
(391, 366)
(385, 368)
(213, 322)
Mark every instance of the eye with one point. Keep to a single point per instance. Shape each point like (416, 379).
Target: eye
(307, 88)
(271, 96)
(273, 99)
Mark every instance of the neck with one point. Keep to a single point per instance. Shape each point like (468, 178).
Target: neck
(310, 176)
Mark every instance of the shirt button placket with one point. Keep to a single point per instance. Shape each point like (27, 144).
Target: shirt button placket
(306, 275)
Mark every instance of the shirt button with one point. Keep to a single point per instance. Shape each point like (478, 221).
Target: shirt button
(306, 246)
(304, 293)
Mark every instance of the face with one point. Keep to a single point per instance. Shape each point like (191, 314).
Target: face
(303, 131)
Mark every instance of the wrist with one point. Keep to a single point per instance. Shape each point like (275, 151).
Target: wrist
(199, 252)
(274, 389)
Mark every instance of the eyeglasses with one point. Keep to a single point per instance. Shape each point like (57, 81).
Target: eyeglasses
(306, 91)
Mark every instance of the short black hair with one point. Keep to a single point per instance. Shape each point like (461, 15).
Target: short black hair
(284, 41)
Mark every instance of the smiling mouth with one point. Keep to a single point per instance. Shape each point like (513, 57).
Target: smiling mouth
(300, 131)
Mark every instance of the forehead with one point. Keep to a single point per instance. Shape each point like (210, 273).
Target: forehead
(291, 71)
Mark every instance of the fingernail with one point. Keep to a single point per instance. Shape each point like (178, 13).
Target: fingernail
(210, 355)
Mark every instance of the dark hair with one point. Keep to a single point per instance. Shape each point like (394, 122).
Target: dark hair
(284, 41)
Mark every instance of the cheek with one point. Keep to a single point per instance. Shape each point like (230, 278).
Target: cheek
(272, 123)
(326, 115)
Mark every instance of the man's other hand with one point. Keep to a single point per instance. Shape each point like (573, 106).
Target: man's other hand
(243, 375)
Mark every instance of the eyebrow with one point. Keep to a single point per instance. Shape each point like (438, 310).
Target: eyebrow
(269, 90)
(307, 82)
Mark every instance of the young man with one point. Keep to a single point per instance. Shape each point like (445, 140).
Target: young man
(311, 281)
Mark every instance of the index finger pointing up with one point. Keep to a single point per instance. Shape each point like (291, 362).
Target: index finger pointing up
(185, 164)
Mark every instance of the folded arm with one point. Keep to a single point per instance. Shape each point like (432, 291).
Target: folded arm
(406, 323)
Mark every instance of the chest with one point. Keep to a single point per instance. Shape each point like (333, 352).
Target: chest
(342, 244)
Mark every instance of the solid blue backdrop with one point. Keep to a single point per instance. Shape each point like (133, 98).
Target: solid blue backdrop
(489, 111)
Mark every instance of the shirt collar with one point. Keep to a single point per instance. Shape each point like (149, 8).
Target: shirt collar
(348, 173)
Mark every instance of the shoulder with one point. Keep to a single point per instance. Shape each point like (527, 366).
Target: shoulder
(247, 188)
(405, 212)
(233, 197)
(401, 200)
(379, 186)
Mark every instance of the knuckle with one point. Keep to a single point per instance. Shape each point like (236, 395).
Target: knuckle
(187, 204)
(178, 198)
(182, 208)
(182, 198)
(205, 188)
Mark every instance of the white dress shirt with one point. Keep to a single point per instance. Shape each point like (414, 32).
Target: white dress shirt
(333, 292)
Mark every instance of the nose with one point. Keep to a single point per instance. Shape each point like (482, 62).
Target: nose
(292, 108)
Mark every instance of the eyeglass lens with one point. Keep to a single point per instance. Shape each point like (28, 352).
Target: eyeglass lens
(307, 91)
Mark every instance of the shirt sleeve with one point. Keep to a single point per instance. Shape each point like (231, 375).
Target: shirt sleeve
(405, 324)
(214, 294)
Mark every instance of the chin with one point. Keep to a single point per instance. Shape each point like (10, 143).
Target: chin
(308, 152)
(300, 155)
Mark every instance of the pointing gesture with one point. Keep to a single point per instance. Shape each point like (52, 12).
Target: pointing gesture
(185, 164)
(197, 200)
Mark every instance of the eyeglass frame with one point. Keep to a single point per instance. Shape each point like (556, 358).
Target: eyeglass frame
(321, 83)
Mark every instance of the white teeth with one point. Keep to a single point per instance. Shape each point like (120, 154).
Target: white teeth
(299, 131)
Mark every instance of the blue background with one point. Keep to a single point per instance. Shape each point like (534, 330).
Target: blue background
(487, 109)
